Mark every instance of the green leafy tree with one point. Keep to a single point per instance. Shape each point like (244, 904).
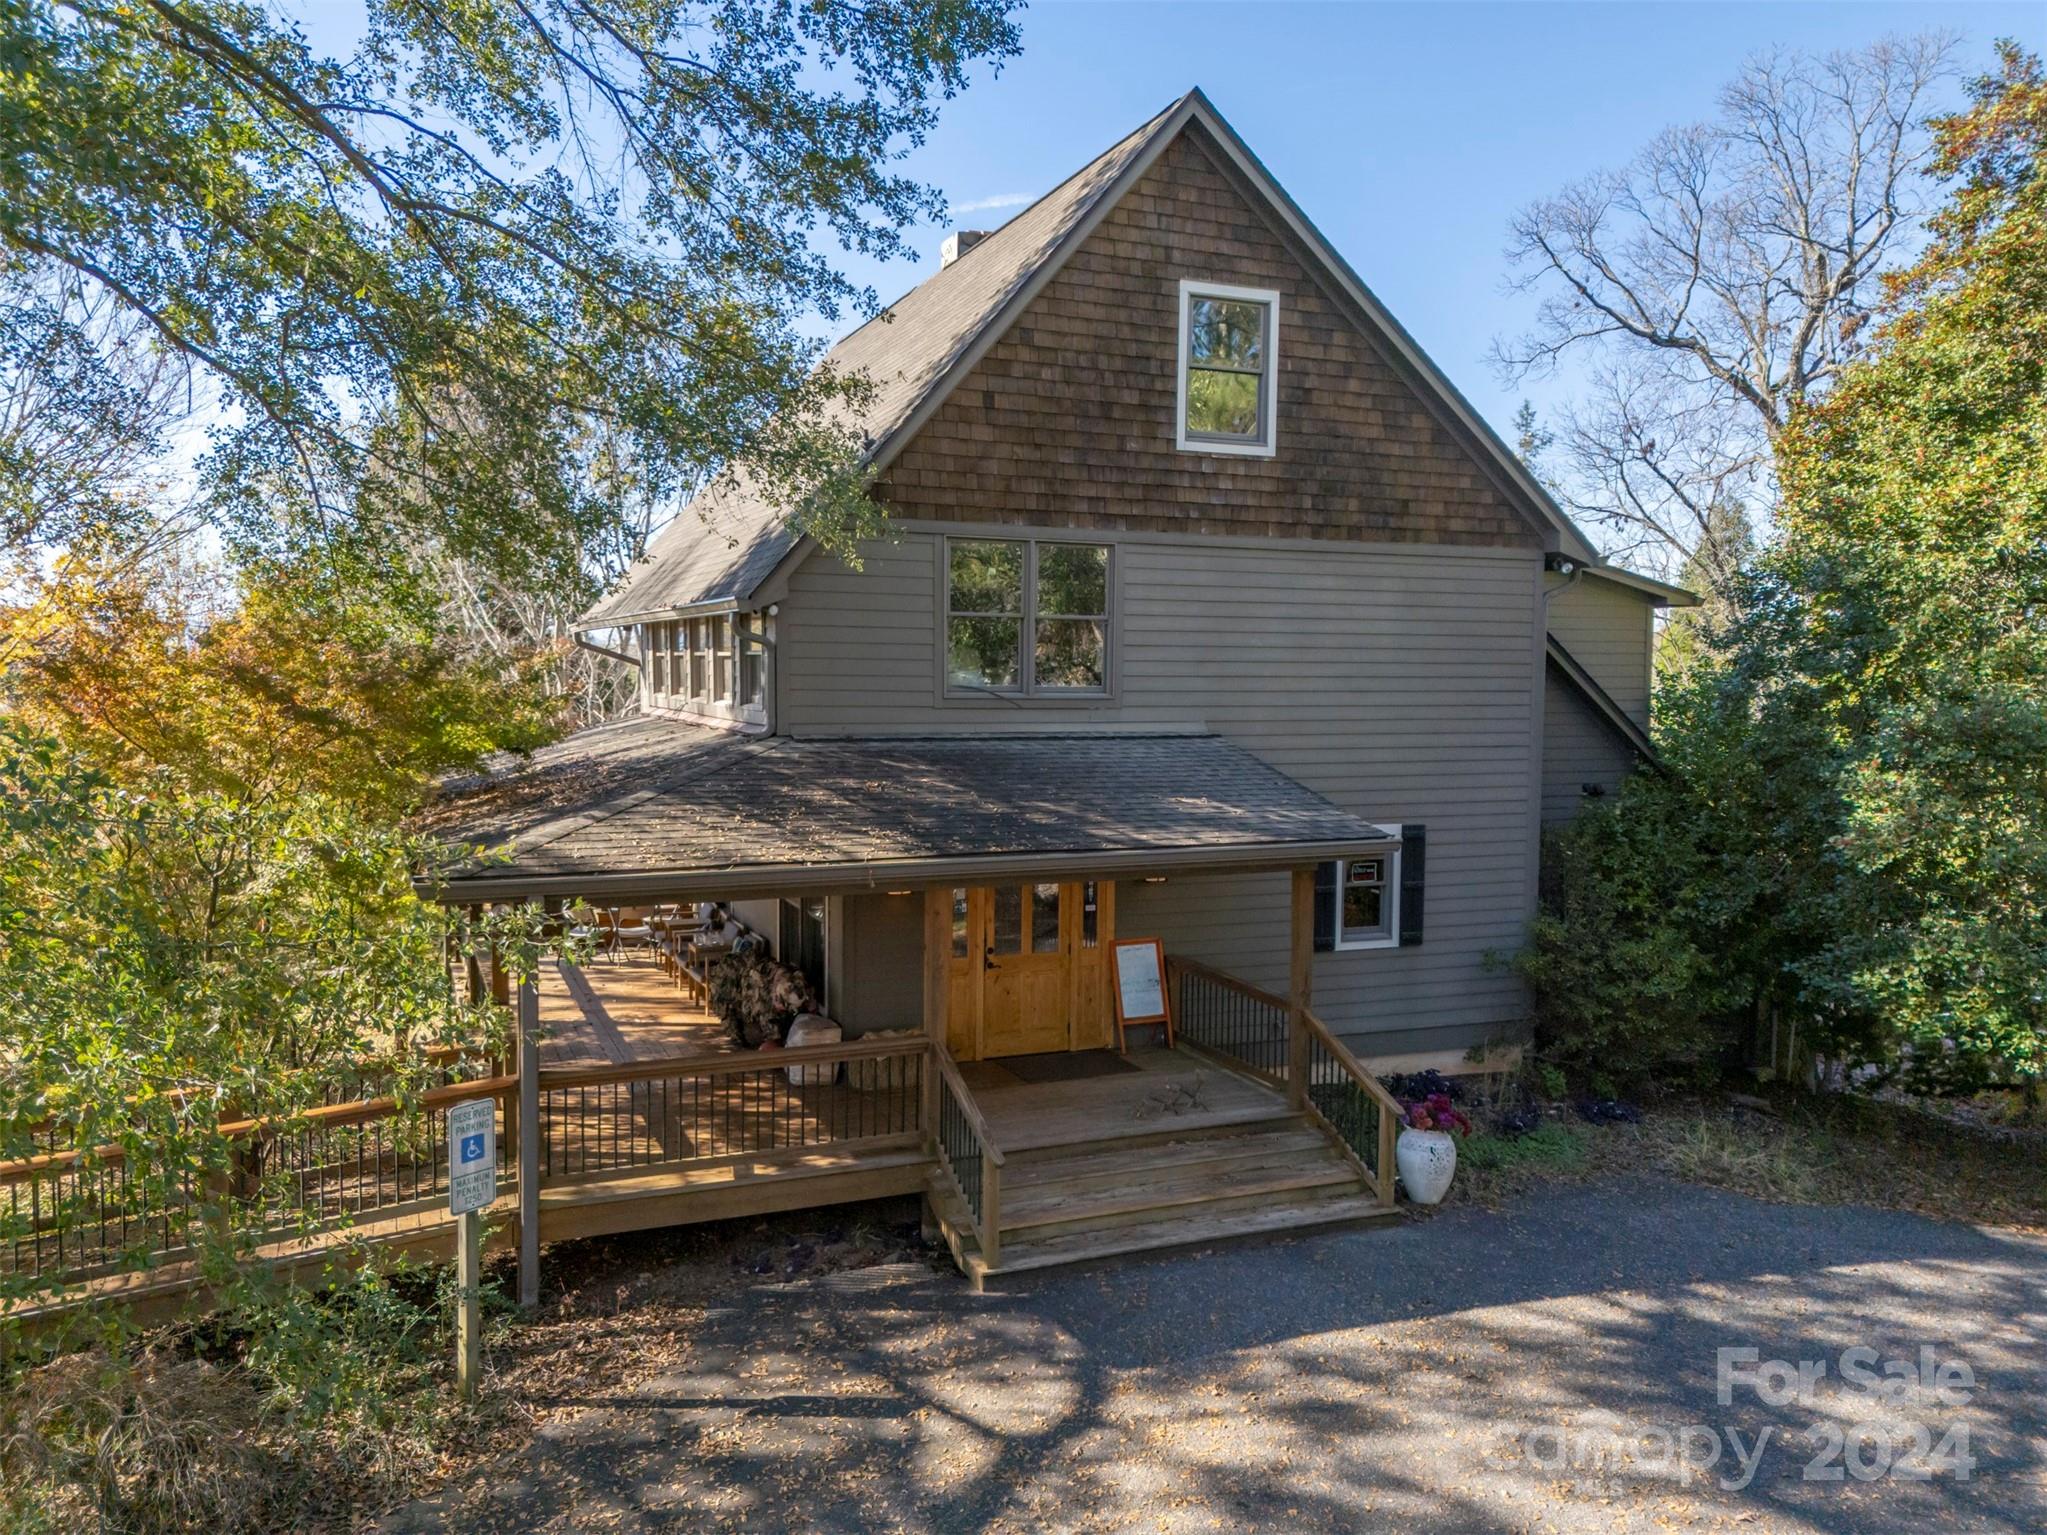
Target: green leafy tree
(1852, 840)
(172, 960)
(1915, 541)
(417, 273)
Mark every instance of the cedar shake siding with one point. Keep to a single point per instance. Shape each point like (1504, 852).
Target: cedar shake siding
(1398, 680)
(1068, 421)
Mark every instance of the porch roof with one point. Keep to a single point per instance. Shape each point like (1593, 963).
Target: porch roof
(652, 806)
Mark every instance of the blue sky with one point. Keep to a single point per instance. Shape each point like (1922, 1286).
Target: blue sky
(1409, 133)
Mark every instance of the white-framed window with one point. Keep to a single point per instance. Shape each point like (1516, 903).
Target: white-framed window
(1368, 901)
(1026, 617)
(1229, 362)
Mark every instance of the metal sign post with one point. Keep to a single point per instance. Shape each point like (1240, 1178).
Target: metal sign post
(472, 1186)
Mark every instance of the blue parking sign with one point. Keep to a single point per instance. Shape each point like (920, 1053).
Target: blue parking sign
(473, 1155)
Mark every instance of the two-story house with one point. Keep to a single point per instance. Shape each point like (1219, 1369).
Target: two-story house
(1209, 612)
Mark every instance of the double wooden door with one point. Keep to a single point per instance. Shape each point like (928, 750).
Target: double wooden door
(1029, 968)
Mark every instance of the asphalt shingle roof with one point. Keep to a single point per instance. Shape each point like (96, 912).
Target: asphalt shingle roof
(656, 796)
(727, 541)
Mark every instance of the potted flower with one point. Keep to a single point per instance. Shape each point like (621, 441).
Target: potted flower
(1427, 1150)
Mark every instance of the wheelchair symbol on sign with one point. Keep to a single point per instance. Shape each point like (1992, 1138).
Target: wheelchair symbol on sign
(472, 1148)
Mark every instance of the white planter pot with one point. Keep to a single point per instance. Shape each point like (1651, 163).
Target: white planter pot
(1427, 1160)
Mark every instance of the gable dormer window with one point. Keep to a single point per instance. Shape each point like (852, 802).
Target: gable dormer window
(1229, 357)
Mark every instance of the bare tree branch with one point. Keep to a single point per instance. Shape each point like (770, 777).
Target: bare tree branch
(1719, 280)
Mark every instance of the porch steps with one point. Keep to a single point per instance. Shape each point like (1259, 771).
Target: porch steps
(1095, 1199)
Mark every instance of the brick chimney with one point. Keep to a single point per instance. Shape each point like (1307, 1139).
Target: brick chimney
(958, 243)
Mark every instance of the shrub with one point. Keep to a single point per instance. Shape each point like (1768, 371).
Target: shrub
(1625, 984)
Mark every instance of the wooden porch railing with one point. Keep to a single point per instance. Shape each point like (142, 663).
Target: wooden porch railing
(968, 1153)
(71, 1215)
(1257, 1031)
(600, 1120)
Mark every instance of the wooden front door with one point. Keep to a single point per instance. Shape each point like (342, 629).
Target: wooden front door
(1026, 999)
(1027, 969)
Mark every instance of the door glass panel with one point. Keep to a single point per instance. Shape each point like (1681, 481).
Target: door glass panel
(959, 924)
(1044, 919)
(1009, 920)
(1090, 915)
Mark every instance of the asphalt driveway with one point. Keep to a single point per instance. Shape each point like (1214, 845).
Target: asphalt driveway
(1564, 1365)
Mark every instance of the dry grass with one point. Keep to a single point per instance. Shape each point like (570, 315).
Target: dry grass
(1791, 1150)
(1849, 1151)
(178, 1433)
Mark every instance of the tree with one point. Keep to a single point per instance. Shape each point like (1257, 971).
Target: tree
(1915, 537)
(1854, 823)
(282, 682)
(87, 406)
(1727, 547)
(1718, 281)
(417, 273)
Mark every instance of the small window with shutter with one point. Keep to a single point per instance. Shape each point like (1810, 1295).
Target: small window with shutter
(1373, 901)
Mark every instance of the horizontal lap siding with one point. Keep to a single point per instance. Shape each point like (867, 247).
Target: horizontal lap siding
(1609, 630)
(1398, 681)
(1579, 747)
(1358, 609)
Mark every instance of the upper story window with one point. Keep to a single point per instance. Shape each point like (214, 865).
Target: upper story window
(716, 668)
(1229, 357)
(1026, 616)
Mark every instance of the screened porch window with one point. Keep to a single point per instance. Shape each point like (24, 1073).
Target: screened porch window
(721, 659)
(1026, 616)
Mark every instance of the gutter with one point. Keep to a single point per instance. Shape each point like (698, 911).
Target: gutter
(853, 879)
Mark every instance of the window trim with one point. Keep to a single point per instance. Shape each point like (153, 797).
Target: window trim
(1027, 617)
(1266, 443)
(1390, 939)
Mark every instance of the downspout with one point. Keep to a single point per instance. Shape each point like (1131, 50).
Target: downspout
(605, 650)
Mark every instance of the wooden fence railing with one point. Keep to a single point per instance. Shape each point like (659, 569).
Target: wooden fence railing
(1261, 1033)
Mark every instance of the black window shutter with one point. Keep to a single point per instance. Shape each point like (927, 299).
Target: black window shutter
(1325, 906)
(1414, 867)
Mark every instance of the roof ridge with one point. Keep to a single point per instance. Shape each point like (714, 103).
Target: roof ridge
(981, 245)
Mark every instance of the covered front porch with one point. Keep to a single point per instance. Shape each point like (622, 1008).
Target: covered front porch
(1001, 1089)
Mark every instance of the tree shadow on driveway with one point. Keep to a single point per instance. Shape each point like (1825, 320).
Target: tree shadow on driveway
(1477, 1372)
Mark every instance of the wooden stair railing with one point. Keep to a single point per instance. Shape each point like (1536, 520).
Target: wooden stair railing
(1350, 1104)
(1260, 1032)
(969, 1155)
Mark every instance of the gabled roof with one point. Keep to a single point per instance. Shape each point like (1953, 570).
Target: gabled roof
(728, 542)
(653, 805)
(1573, 671)
(1660, 593)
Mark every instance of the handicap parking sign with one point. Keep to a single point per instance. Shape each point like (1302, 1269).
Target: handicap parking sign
(473, 1175)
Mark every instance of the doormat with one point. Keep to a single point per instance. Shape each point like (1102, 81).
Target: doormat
(1066, 1067)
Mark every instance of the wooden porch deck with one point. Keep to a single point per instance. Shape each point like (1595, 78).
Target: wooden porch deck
(644, 1114)
(618, 1010)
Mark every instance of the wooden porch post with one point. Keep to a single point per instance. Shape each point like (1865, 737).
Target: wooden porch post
(528, 1048)
(937, 944)
(473, 964)
(1300, 980)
